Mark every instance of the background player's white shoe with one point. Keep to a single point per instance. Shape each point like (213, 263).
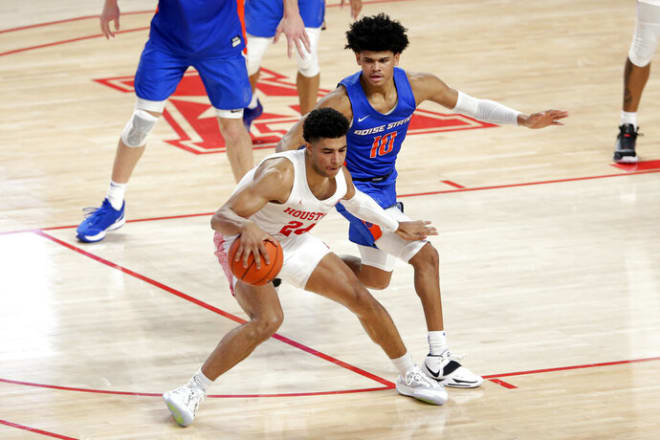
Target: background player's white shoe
(416, 384)
(446, 370)
(183, 403)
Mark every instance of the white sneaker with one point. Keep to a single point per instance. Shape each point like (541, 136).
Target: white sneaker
(416, 384)
(446, 370)
(183, 403)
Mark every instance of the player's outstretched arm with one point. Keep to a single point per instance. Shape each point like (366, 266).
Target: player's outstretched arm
(337, 99)
(364, 207)
(273, 180)
(429, 87)
(109, 13)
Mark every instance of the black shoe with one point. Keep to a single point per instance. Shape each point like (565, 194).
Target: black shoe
(624, 149)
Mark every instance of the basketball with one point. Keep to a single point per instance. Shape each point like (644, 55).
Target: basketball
(252, 275)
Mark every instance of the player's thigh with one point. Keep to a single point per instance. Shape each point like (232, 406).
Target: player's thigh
(333, 279)
(158, 73)
(647, 34)
(226, 81)
(395, 246)
(302, 253)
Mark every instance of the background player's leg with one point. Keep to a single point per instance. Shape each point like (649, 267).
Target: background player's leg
(239, 145)
(372, 277)
(308, 90)
(126, 158)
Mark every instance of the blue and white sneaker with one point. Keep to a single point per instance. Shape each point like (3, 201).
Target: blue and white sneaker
(250, 114)
(98, 221)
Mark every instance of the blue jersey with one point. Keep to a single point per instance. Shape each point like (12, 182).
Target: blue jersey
(263, 16)
(199, 27)
(374, 139)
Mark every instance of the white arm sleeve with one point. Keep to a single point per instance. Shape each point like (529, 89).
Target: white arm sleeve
(485, 110)
(365, 208)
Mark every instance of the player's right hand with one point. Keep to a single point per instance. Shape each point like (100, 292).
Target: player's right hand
(294, 29)
(110, 13)
(252, 243)
(416, 230)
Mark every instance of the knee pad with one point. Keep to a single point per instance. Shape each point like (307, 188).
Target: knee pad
(256, 48)
(309, 65)
(137, 128)
(647, 31)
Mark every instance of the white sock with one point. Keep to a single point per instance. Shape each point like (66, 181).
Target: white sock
(116, 193)
(629, 118)
(437, 342)
(253, 101)
(201, 381)
(404, 363)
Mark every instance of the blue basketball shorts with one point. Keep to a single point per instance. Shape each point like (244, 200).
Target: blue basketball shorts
(359, 231)
(263, 16)
(225, 79)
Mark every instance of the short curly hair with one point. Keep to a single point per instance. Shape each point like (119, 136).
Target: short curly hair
(376, 33)
(324, 123)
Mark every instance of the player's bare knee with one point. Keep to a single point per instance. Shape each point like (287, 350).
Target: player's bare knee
(426, 259)
(267, 324)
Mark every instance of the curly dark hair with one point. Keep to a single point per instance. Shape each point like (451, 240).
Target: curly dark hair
(376, 33)
(324, 123)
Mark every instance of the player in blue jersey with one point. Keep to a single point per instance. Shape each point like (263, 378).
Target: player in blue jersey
(380, 100)
(207, 35)
(262, 18)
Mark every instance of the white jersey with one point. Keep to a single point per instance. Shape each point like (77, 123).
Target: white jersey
(302, 210)
(651, 2)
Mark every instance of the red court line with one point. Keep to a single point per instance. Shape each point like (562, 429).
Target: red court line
(454, 184)
(235, 318)
(214, 396)
(69, 20)
(515, 185)
(71, 40)
(430, 193)
(573, 367)
(503, 383)
(35, 430)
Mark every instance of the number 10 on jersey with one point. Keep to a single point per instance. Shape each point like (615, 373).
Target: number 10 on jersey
(382, 144)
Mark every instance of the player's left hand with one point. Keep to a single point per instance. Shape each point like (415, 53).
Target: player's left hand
(415, 230)
(543, 119)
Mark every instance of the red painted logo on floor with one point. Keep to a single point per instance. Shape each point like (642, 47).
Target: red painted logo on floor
(193, 119)
(642, 165)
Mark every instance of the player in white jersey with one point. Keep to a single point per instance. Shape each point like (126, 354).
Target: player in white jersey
(282, 199)
(635, 74)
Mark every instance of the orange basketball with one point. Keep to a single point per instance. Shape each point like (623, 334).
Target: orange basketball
(252, 275)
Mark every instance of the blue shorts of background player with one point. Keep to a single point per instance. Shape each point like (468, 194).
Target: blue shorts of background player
(383, 193)
(263, 16)
(225, 78)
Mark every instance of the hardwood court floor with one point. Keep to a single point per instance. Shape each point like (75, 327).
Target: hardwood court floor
(549, 254)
